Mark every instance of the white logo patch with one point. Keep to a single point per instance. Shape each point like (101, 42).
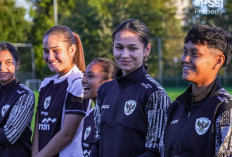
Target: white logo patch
(4, 109)
(105, 106)
(202, 125)
(129, 107)
(47, 102)
(87, 132)
(174, 122)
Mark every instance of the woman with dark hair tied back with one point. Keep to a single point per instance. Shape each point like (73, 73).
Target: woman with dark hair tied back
(99, 71)
(130, 111)
(60, 107)
(199, 120)
(16, 106)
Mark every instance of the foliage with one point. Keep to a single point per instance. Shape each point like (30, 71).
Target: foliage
(13, 26)
(96, 20)
(224, 21)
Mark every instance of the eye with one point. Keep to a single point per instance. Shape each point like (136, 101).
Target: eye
(9, 62)
(45, 51)
(90, 76)
(118, 47)
(56, 51)
(185, 51)
(133, 48)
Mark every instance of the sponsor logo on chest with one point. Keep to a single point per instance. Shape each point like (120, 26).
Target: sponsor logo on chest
(129, 107)
(4, 109)
(45, 123)
(202, 125)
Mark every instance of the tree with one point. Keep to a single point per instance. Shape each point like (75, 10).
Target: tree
(13, 26)
(223, 21)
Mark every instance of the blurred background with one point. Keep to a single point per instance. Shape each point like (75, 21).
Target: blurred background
(24, 22)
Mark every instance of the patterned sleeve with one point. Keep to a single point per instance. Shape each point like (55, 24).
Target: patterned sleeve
(156, 114)
(223, 143)
(19, 118)
(97, 119)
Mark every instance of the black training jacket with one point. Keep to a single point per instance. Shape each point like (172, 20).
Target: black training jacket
(16, 111)
(201, 128)
(130, 116)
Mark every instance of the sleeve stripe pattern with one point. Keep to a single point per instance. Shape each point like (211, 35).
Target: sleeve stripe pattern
(97, 119)
(223, 143)
(19, 118)
(156, 113)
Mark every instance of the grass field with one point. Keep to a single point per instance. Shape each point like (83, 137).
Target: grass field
(172, 92)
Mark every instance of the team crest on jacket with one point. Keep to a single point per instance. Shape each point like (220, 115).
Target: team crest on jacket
(87, 132)
(47, 102)
(129, 107)
(4, 109)
(202, 125)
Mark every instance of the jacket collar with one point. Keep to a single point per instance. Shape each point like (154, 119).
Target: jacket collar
(187, 98)
(131, 78)
(9, 86)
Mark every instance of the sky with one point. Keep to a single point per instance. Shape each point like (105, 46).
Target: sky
(26, 5)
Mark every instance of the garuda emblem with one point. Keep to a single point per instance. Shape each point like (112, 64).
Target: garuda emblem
(202, 125)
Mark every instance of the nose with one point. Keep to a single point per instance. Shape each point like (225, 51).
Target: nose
(84, 80)
(185, 58)
(51, 56)
(2, 66)
(125, 53)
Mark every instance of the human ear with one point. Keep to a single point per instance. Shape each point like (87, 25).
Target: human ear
(17, 65)
(147, 50)
(220, 59)
(72, 50)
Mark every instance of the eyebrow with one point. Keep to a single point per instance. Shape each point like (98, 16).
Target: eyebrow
(52, 47)
(126, 45)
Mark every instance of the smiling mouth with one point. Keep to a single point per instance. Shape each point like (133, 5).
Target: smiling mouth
(3, 74)
(86, 89)
(53, 63)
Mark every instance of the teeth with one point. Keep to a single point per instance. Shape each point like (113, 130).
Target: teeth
(53, 63)
(186, 68)
(85, 88)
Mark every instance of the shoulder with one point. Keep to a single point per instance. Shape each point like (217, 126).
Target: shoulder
(75, 82)
(152, 86)
(224, 95)
(23, 89)
(150, 83)
(46, 81)
(224, 99)
(107, 86)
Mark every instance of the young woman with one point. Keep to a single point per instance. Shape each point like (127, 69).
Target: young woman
(97, 72)
(199, 120)
(60, 108)
(16, 106)
(130, 111)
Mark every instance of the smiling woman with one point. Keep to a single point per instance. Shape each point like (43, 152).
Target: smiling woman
(130, 110)
(16, 106)
(99, 71)
(60, 107)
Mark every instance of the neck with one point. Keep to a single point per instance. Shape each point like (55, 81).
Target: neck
(198, 89)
